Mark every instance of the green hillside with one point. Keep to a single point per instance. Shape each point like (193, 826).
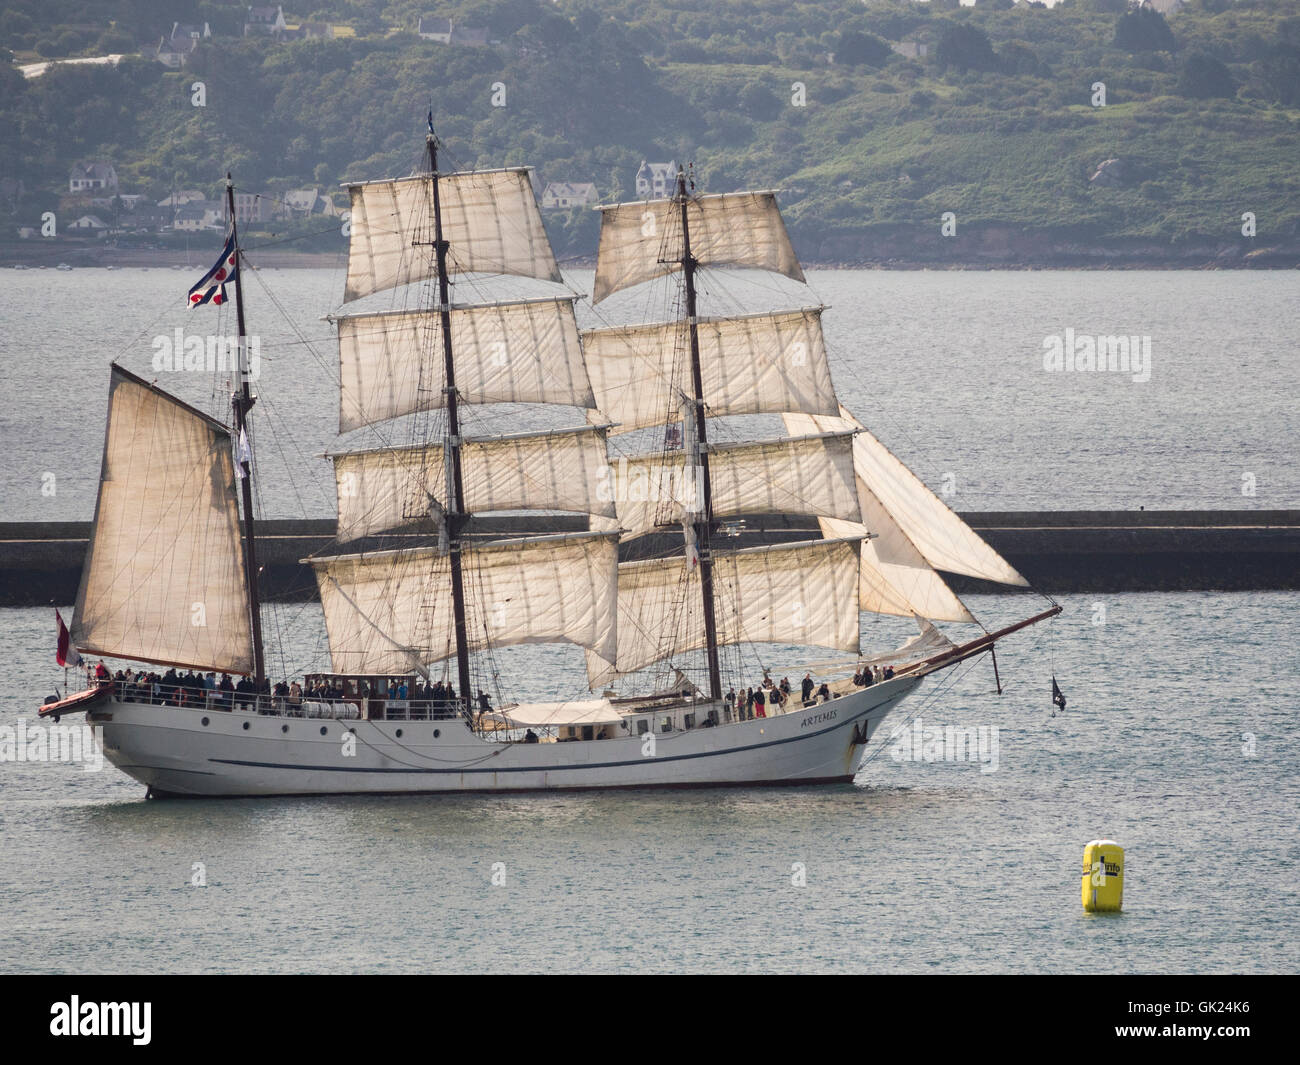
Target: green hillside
(994, 122)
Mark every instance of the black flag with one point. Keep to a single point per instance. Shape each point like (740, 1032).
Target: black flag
(431, 122)
(1058, 696)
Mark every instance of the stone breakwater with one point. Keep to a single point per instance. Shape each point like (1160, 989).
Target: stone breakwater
(1060, 552)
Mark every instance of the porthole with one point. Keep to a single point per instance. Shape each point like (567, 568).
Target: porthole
(245, 726)
(323, 730)
(399, 733)
(284, 728)
(436, 733)
(205, 722)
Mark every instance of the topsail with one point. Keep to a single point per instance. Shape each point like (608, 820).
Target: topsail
(638, 240)
(491, 222)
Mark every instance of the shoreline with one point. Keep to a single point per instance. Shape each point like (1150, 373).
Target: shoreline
(35, 255)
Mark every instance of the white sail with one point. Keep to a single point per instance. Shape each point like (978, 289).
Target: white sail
(803, 475)
(385, 489)
(391, 611)
(895, 579)
(750, 364)
(804, 593)
(940, 536)
(524, 351)
(642, 241)
(164, 580)
(490, 221)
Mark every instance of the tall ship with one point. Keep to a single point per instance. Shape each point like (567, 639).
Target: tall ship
(688, 633)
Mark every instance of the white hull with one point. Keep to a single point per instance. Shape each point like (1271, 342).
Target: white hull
(191, 752)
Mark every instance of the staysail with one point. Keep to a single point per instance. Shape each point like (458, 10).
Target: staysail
(916, 533)
(163, 580)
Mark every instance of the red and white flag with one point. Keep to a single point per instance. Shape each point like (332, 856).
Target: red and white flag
(67, 654)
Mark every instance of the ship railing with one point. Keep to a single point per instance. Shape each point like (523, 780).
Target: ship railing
(345, 709)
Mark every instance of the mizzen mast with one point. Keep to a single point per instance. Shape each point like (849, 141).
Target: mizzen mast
(243, 403)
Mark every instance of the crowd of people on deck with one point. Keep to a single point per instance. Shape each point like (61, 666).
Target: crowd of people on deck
(869, 675)
(181, 689)
(772, 698)
(220, 692)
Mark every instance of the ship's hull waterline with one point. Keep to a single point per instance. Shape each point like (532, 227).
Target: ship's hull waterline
(180, 752)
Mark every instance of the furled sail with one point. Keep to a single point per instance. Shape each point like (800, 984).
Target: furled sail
(164, 580)
(391, 611)
(752, 364)
(642, 241)
(804, 593)
(524, 351)
(802, 475)
(491, 222)
(385, 489)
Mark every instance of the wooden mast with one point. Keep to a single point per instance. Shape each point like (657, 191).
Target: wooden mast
(243, 403)
(455, 512)
(704, 524)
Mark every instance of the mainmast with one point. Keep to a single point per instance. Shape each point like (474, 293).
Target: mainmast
(700, 457)
(243, 403)
(455, 511)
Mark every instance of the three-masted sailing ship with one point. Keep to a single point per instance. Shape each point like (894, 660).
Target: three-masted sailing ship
(419, 594)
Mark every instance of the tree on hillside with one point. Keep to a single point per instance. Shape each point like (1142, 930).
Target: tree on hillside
(1144, 30)
(965, 47)
(1106, 7)
(758, 101)
(861, 49)
(1204, 78)
(1279, 74)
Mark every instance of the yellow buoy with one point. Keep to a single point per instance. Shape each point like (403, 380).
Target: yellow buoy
(1103, 876)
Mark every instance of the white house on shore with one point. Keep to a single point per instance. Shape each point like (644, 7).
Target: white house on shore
(654, 180)
(561, 194)
(92, 177)
(265, 20)
(447, 31)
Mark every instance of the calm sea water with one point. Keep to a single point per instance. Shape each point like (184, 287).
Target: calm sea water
(947, 368)
(1179, 740)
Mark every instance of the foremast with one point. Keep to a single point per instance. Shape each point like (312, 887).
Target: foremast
(703, 518)
(394, 610)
